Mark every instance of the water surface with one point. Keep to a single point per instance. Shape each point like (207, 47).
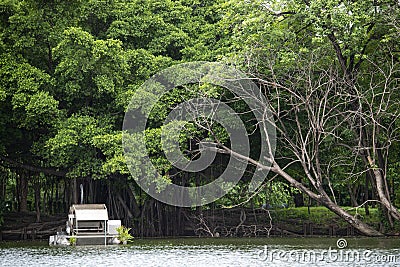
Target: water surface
(210, 252)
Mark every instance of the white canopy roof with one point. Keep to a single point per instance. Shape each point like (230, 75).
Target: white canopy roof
(89, 212)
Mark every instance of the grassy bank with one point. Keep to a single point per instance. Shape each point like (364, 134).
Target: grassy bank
(323, 220)
(321, 215)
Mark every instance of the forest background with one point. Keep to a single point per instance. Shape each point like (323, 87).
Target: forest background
(329, 69)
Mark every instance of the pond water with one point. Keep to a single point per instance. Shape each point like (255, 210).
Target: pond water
(210, 252)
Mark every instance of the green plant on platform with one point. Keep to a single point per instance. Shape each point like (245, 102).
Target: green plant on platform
(72, 240)
(123, 234)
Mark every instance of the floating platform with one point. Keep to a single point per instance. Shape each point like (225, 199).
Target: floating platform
(87, 224)
(81, 240)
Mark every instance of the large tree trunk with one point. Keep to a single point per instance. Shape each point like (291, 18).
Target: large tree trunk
(324, 199)
(124, 206)
(380, 188)
(37, 198)
(159, 218)
(382, 170)
(350, 73)
(357, 224)
(353, 194)
(366, 206)
(133, 202)
(3, 182)
(23, 192)
(74, 191)
(298, 199)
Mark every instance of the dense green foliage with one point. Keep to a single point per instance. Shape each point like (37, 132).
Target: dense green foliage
(69, 68)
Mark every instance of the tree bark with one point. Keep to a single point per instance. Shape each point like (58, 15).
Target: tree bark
(321, 197)
(74, 191)
(37, 198)
(3, 182)
(23, 192)
(366, 197)
(160, 218)
(324, 199)
(353, 195)
(357, 224)
(133, 201)
(380, 188)
(124, 206)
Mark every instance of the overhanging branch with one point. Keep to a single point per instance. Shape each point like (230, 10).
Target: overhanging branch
(14, 164)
